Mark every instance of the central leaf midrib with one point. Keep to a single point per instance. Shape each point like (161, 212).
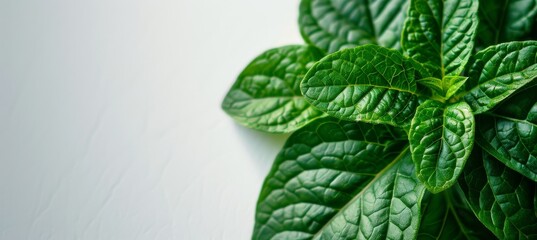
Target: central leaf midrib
(510, 119)
(441, 50)
(501, 23)
(504, 212)
(455, 215)
(386, 144)
(359, 194)
(479, 83)
(366, 85)
(335, 10)
(370, 20)
(442, 140)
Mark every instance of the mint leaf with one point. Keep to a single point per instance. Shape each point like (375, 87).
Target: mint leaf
(448, 216)
(332, 25)
(452, 84)
(510, 132)
(434, 84)
(367, 83)
(443, 88)
(440, 34)
(504, 21)
(340, 180)
(498, 71)
(266, 95)
(441, 139)
(503, 200)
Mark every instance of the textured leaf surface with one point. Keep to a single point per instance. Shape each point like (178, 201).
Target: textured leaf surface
(441, 138)
(504, 201)
(447, 216)
(505, 21)
(340, 180)
(334, 24)
(444, 88)
(266, 95)
(367, 83)
(440, 34)
(510, 133)
(498, 71)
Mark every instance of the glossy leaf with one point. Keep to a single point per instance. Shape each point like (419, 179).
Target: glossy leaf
(498, 71)
(452, 84)
(510, 133)
(440, 34)
(447, 216)
(340, 180)
(503, 200)
(266, 95)
(367, 83)
(334, 24)
(441, 139)
(444, 88)
(504, 21)
(435, 84)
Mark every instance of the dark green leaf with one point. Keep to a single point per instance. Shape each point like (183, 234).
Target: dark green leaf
(367, 83)
(334, 24)
(504, 21)
(340, 180)
(440, 34)
(502, 199)
(498, 71)
(441, 139)
(266, 95)
(510, 132)
(447, 216)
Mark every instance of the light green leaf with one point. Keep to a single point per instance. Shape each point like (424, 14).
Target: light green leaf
(504, 21)
(503, 200)
(498, 71)
(367, 83)
(340, 180)
(434, 84)
(510, 132)
(447, 216)
(266, 95)
(335, 24)
(444, 88)
(440, 34)
(441, 139)
(452, 84)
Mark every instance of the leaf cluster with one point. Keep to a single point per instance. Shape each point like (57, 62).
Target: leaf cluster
(410, 119)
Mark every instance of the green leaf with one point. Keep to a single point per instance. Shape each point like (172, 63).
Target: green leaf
(340, 180)
(332, 25)
(452, 84)
(510, 132)
(504, 21)
(447, 216)
(444, 88)
(434, 84)
(441, 139)
(503, 200)
(440, 34)
(367, 83)
(266, 95)
(498, 71)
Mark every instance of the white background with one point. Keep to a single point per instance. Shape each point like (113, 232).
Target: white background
(110, 120)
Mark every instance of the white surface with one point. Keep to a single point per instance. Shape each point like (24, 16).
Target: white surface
(110, 120)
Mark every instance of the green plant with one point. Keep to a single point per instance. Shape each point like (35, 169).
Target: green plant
(386, 101)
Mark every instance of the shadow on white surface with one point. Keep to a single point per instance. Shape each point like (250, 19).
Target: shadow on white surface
(254, 140)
